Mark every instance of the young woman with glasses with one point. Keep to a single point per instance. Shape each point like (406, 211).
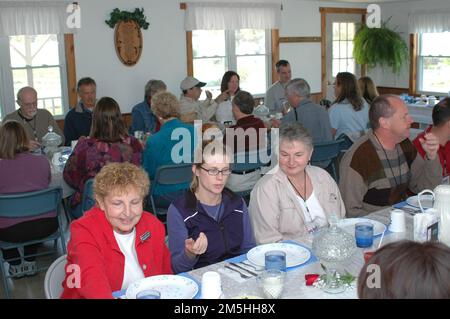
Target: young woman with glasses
(209, 223)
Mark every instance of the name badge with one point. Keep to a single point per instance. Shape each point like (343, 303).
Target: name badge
(145, 236)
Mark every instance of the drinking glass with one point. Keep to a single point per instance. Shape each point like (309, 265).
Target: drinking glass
(364, 234)
(272, 283)
(148, 294)
(275, 259)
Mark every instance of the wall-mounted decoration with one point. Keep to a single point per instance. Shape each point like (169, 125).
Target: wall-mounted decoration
(127, 35)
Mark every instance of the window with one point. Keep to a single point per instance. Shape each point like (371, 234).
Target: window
(37, 61)
(434, 63)
(246, 51)
(342, 48)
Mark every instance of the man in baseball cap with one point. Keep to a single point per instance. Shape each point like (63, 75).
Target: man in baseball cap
(189, 82)
(191, 108)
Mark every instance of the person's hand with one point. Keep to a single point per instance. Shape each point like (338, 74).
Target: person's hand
(208, 94)
(223, 96)
(197, 247)
(34, 145)
(430, 145)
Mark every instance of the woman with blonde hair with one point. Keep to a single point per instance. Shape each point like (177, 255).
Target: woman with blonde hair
(108, 142)
(368, 89)
(158, 150)
(116, 242)
(209, 223)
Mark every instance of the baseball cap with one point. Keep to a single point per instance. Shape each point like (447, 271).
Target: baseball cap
(189, 82)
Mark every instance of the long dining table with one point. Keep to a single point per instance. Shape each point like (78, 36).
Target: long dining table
(234, 286)
(295, 285)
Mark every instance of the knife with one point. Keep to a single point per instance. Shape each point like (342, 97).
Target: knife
(243, 268)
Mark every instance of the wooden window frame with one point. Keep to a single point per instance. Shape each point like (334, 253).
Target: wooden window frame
(323, 25)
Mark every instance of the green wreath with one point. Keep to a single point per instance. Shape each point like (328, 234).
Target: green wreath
(137, 16)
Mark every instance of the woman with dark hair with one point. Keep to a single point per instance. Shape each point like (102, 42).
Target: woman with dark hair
(208, 223)
(20, 172)
(441, 129)
(108, 142)
(367, 88)
(349, 114)
(229, 85)
(407, 270)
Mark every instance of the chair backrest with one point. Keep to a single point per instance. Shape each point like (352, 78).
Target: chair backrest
(251, 160)
(54, 277)
(326, 151)
(31, 203)
(172, 174)
(88, 199)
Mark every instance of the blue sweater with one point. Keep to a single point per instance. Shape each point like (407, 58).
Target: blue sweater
(142, 118)
(77, 123)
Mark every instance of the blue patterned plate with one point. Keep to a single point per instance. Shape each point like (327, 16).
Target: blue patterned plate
(170, 287)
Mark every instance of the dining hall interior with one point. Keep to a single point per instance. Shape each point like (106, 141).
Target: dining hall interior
(345, 105)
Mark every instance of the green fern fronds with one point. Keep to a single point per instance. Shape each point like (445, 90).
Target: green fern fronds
(380, 46)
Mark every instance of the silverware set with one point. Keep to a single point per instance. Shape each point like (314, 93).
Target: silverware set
(242, 268)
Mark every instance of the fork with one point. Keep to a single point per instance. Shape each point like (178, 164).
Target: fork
(241, 274)
(247, 263)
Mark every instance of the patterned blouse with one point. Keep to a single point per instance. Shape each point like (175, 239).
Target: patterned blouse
(91, 154)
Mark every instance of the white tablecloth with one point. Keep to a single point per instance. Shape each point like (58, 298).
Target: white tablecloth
(58, 180)
(295, 287)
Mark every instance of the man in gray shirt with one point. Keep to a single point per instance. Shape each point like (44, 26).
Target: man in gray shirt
(275, 95)
(312, 116)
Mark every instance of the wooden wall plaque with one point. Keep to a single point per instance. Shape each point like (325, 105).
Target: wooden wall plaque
(128, 42)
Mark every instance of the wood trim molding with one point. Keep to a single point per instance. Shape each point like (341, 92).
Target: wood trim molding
(413, 51)
(69, 49)
(343, 10)
(323, 32)
(391, 90)
(299, 39)
(183, 5)
(189, 54)
(275, 44)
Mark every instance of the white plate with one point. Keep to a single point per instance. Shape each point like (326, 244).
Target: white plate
(426, 200)
(348, 224)
(295, 254)
(170, 287)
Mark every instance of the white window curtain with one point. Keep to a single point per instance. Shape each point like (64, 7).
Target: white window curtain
(232, 16)
(33, 17)
(429, 21)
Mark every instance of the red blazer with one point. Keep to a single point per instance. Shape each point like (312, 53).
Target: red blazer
(94, 249)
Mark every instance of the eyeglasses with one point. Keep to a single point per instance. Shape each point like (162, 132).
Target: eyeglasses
(215, 171)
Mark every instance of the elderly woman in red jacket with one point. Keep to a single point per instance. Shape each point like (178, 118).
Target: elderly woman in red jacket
(116, 242)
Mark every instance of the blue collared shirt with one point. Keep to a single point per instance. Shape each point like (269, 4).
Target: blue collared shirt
(142, 118)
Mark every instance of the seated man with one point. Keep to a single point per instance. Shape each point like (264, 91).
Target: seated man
(142, 117)
(441, 129)
(383, 165)
(312, 116)
(79, 119)
(276, 94)
(249, 134)
(191, 108)
(35, 121)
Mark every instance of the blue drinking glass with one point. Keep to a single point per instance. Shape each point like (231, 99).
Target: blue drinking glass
(364, 234)
(149, 294)
(275, 259)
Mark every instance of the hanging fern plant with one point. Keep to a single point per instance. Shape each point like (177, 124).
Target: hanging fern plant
(137, 16)
(380, 46)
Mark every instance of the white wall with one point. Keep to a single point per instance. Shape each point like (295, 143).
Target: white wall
(164, 50)
(163, 56)
(399, 13)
